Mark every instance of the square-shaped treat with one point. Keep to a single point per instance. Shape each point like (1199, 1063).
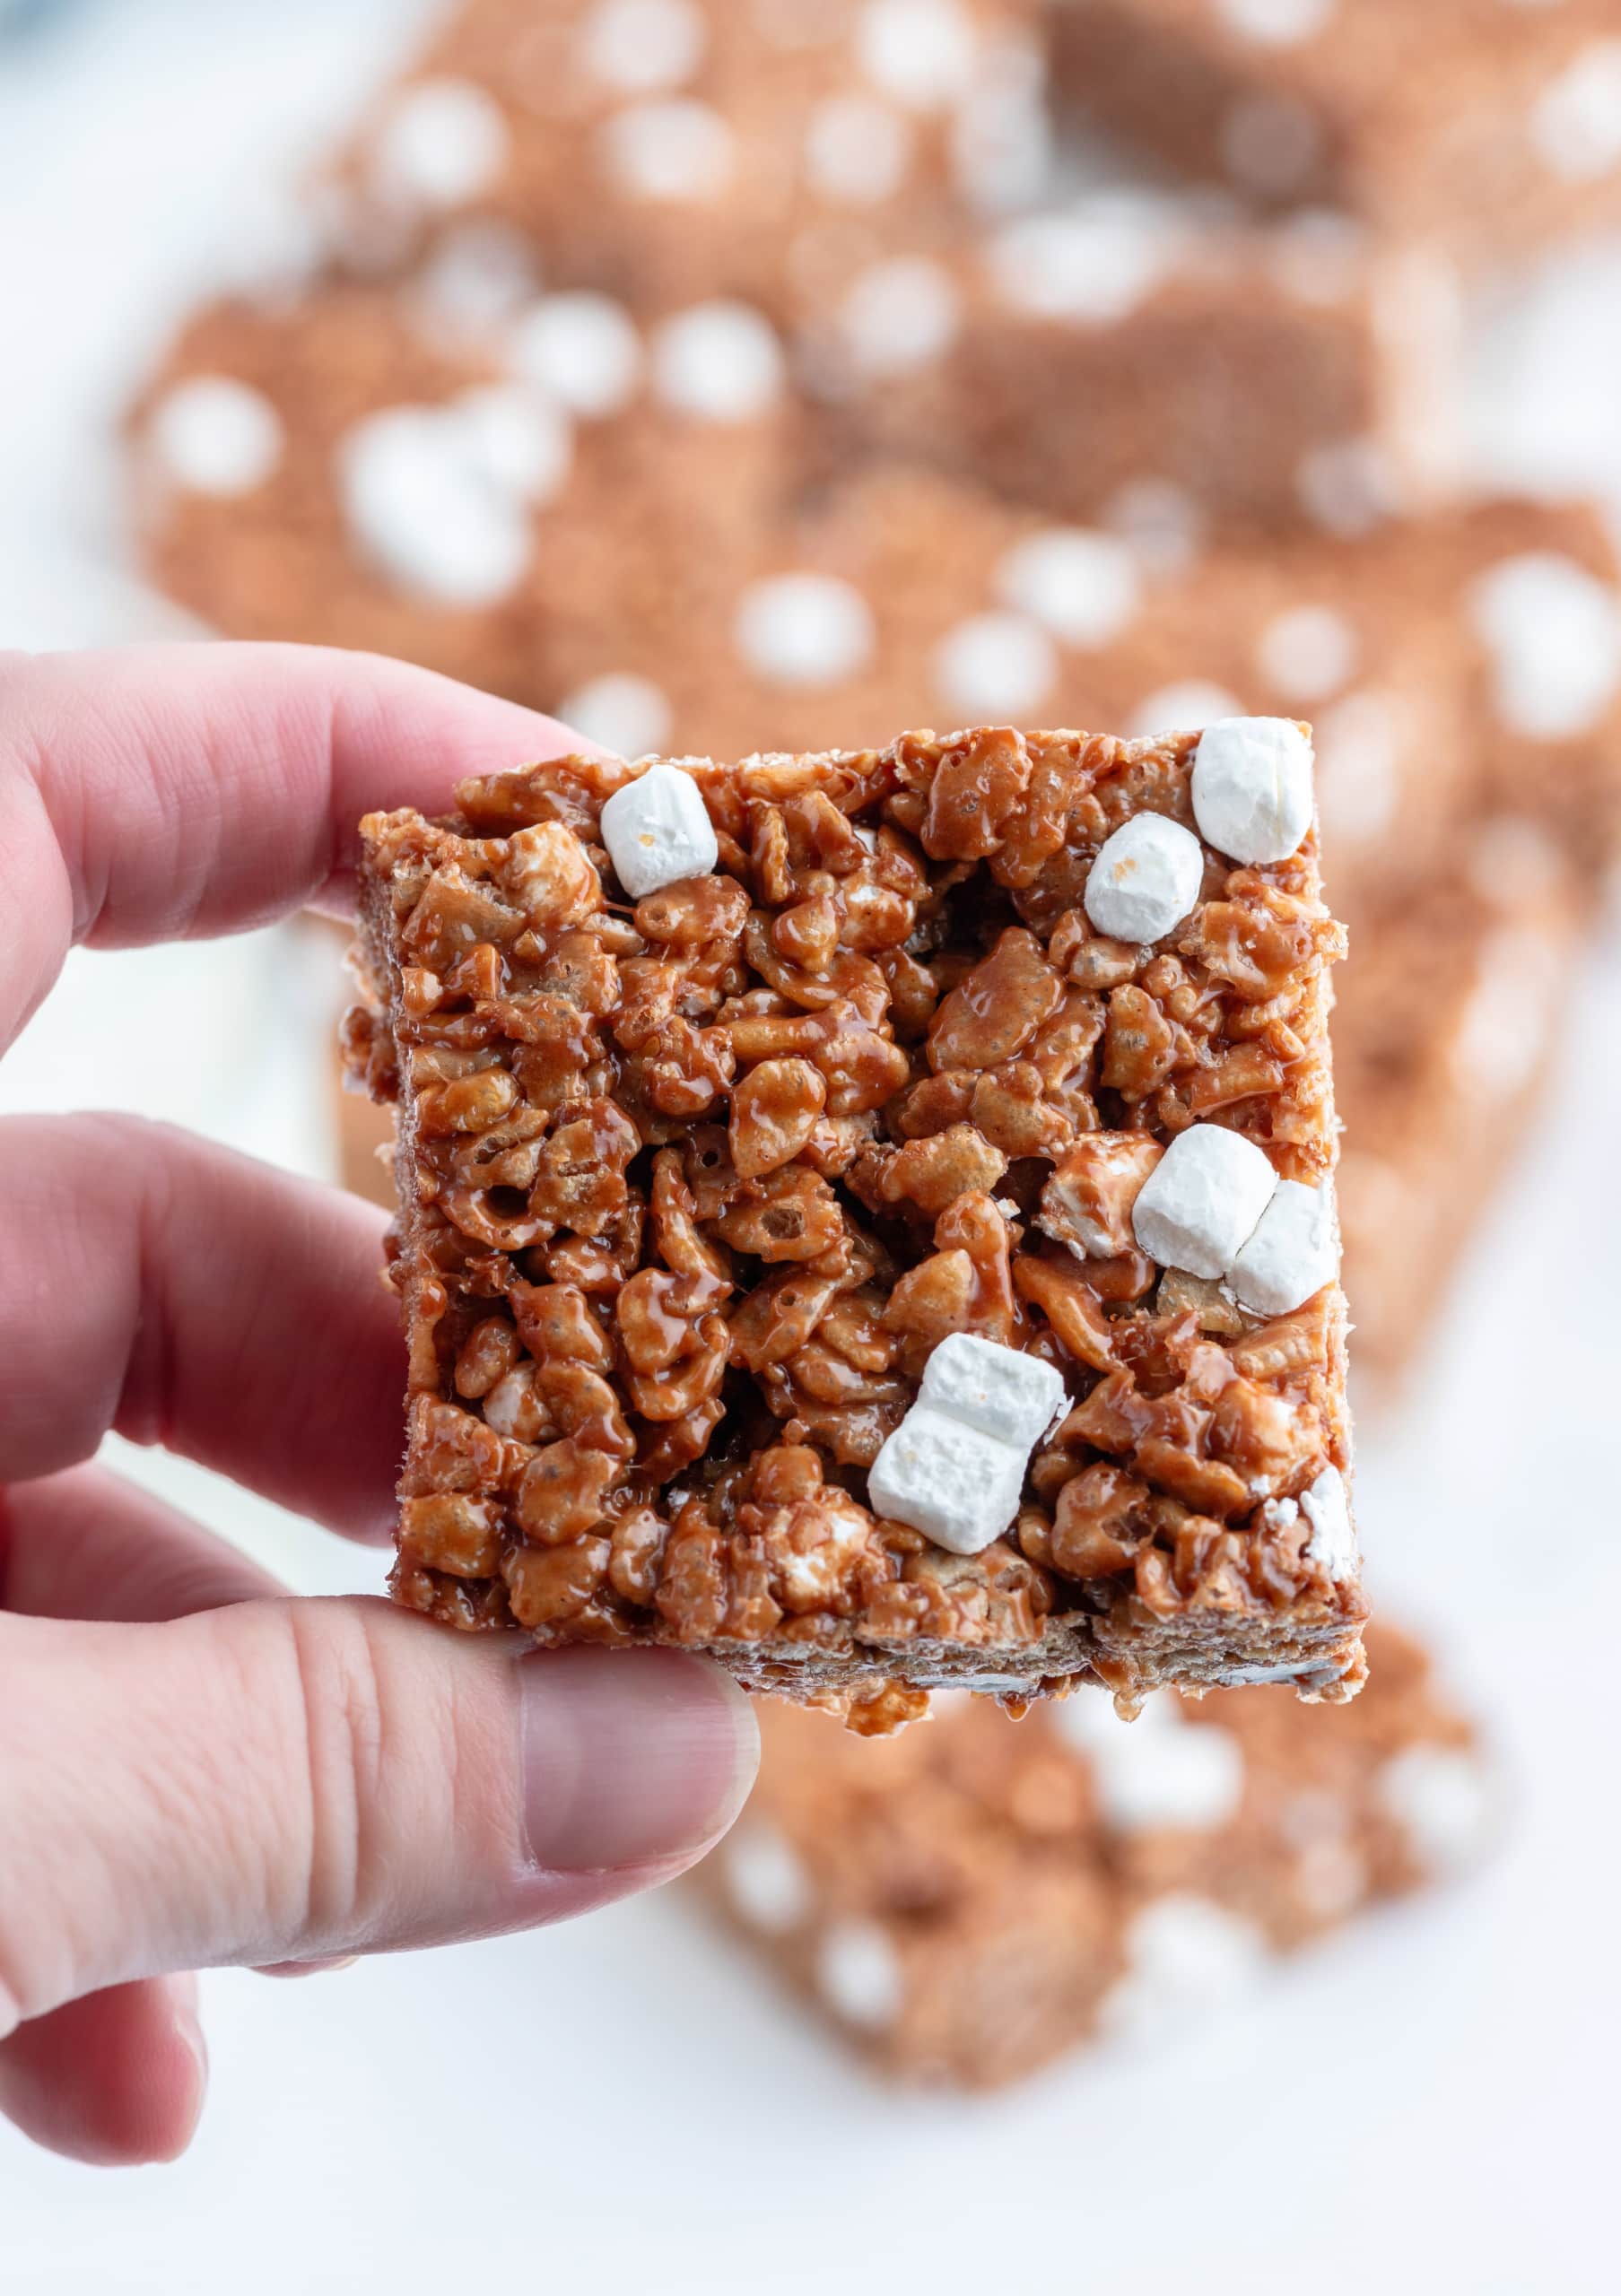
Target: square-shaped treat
(1456, 999)
(1484, 127)
(1131, 358)
(672, 151)
(976, 1899)
(869, 1216)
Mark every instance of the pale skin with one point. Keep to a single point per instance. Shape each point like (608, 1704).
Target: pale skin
(196, 1770)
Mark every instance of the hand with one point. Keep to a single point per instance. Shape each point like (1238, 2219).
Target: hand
(194, 1770)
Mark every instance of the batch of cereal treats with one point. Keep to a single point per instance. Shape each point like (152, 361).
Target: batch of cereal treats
(869, 1216)
(870, 1200)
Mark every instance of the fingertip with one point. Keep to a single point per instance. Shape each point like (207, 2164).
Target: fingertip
(633, 1760)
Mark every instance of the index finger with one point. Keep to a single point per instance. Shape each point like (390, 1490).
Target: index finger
(162, 793)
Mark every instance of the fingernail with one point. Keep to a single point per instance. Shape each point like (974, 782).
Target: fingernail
(308, 1969)
(630, 1758)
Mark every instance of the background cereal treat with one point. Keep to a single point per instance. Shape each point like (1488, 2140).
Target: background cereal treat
(845, 1258)
(971, 1901)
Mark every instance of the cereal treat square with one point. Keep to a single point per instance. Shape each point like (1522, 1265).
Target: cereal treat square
(1128, 357)
(869, 1216)
(672, 151)
(972, 1901)
(1449, 1013)
(1332, 103)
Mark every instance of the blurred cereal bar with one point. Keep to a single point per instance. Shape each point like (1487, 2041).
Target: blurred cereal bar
(969, 1901)
(1333, 103)
(869, 1216)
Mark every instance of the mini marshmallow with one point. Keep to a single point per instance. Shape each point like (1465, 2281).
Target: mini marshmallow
(657, 831)
(1182, 708)
(956, 1485)
(641, 45)
(584, 349)
(1332, 1545)
(1188, 1955)
(859, 1975)
(765, 1879)
(857, 149)
(898, 315)
(1292, 1253)
(996, 668)
(439, 497)
(1252, 788)
(1083, 586)
(217, 436)
(1443, 1800)
(1002, 1391)
(625, 713)
(443, 143)
(1186, 1777)
(1145, 880)
(805, 630)
(921, 52)
(1200, 1205)
(719, 361)
(669, 148)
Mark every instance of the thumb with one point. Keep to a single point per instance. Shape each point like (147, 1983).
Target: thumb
(294, 1781)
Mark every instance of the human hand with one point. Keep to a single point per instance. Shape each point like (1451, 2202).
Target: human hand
(196, 1769)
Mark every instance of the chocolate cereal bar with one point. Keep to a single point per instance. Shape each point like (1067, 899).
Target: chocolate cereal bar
(969, 1901)
(869, 1216)
(1333, 104)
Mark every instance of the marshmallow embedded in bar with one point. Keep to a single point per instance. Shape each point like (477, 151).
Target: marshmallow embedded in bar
(1252, 788)
(1145, 879)
(1293, 1252)
(953, 1483)
(1200, 1205)
(1000, 1390)
(658, 832)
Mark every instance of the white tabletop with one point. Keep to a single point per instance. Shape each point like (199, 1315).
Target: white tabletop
(619, 2104)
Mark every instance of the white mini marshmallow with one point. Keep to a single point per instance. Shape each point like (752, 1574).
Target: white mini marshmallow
(1332, 1545)
(1443, 1801)
(1185, 1778)
(669, 148)
(898, 315)
(657, 831)
(443, 143)
(1252, 788)
(439, 497)
(1083, 586)
(584, 349)
(1200, 1205)
(1145, 879)
(641, 45)
(859, 1975)
(921, 52)
(765, 1878)
(956, 1485)
(216, 435)
(805, 630)
(1000, 1390)
(857, 149)
(1182, 708)
(626, 713)
(995, 668)
(1555, 633)
(1187, 1955)
(1294, 1251)
(719, 361)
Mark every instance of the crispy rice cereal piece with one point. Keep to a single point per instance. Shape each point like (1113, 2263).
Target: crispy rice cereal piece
(690, 1190)
(1447, 1017)
(1332, 103)
(969, 1901)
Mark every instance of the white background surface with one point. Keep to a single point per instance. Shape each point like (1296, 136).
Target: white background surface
(1428, 2105)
